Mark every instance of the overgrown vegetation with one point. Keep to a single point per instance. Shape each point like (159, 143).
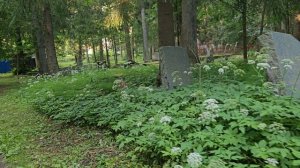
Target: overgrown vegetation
(221, 121)
(28, 139)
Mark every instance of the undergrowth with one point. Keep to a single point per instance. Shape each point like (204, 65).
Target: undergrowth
(229, 118)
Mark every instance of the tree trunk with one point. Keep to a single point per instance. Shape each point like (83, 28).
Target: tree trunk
(41, 52)
(178, 21)
(101, 52)
(20, 57)
(49, 40)
(79, 58)
(262, 23)
(166, 33)
(244, 22)
(189, 29)
(87, 53)
(41, 59)
(127, 41)
(145, 33)
(94, 52)
(107, 53)
(114, 43)
(297, 33)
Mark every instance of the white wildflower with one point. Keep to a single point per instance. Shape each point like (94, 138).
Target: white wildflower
(221, 71)
(206, 68)
(262, 126)
(126, 96)
(225, 67)
(165, 119)
(212, 107)
(211, 104)
(251, 62)
(149, 89)
(273, 68)
(194, 160)
(176, 150)
(244, 111)
(276, 128)
(239, 72)
(262, 66)
(151, 120)
(210, 101)
(288, 67)
(190, 73)
(193, 95)
(208, 117)
(185, 72)
(138, 124)
(271, 161)
(287, 62)
(268, 85)
(151, 135)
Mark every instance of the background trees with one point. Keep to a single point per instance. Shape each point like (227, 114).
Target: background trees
(82, 30)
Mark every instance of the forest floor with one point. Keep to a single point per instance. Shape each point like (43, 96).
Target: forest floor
(29, 139)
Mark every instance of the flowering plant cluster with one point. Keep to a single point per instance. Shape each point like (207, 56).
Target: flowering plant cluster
(215, 123)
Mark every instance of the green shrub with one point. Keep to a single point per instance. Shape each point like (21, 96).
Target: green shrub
(223, 121)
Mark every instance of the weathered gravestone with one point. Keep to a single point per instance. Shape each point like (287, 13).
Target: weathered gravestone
(283, 47)
(155, 56)
(174, 67)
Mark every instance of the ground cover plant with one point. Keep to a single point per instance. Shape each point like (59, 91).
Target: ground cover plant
(29, 139)
(222, 120)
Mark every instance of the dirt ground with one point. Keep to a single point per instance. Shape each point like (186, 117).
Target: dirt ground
(2, 165)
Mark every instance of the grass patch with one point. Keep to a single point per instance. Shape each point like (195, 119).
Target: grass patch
(28, 139)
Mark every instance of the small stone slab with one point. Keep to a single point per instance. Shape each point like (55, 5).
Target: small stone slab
(283, 46)
(174, 67)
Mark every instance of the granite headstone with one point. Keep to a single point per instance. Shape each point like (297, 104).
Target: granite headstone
(174, 67)
(283, 47)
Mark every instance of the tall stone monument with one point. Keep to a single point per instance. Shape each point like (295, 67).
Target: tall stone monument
(284, 50)
(174, 67)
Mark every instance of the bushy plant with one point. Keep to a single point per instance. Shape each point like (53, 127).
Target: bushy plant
(222, 121)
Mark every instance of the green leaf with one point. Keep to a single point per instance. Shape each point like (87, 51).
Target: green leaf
(296, 153)
(296, 162)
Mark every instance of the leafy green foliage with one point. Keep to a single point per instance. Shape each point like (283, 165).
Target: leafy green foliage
(229, 122)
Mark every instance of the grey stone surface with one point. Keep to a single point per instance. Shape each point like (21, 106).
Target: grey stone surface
(155, 56)
(174, 67)
(283, 46)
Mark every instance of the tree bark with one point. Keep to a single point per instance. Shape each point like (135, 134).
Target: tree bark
(244, 22)
(87, 53)
(94, 52)
(40, 43)
(297, 33)
(263, 13)
(166, 33)
(114, 43)
(178, 21)
(189, 31)
(49, 40)
(127, 41)
(79, 57)
(107, 53)
(101, 51)
(145, 33)
(20, 57)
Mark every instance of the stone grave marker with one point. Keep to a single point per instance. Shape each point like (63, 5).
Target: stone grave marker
(155, 56)
(174, 67)
(282, 48)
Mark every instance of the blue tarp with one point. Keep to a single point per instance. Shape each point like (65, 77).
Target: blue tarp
(5, 66)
